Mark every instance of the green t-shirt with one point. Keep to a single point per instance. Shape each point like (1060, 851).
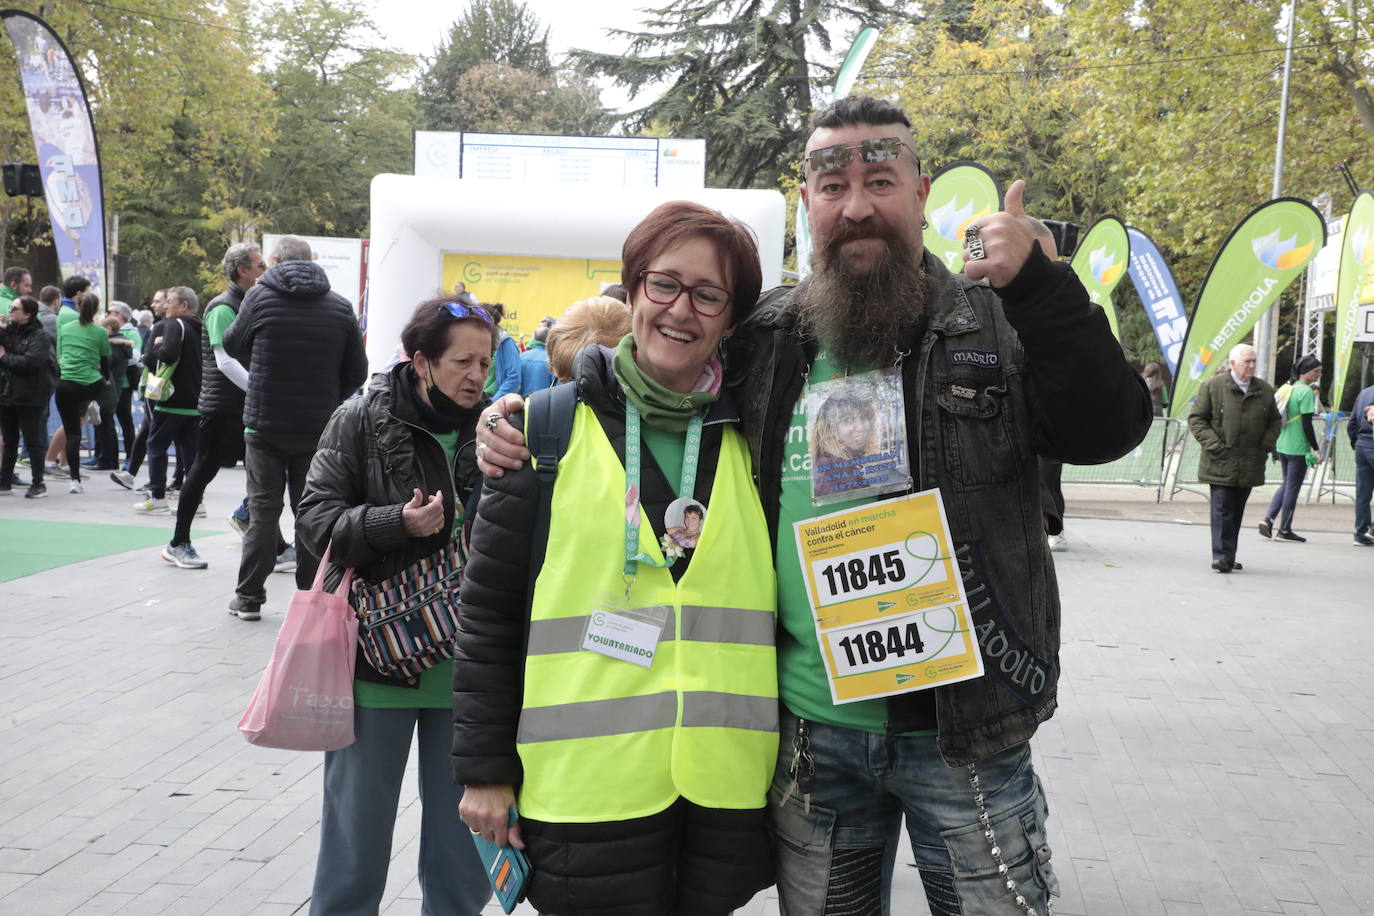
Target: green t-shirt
(66, 313)
(79, 349)
(1293, 439)
(802, 679)
(436, 684)
(666, 448)
(217, 321)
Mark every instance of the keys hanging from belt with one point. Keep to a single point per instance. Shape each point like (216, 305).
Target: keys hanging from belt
(801, 773)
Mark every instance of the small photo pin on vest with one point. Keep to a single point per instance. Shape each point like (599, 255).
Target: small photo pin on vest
(959, 391)
(682, 523)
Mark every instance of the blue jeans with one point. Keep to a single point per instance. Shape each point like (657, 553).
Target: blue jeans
(1364, 488)
(1286, 496)
(845, 849)
(362, 786)
(168, 429)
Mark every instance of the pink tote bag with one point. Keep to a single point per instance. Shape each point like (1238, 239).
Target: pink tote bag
(304, 700)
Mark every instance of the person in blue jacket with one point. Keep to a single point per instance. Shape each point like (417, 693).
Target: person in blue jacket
(534, 363)
(504, 377)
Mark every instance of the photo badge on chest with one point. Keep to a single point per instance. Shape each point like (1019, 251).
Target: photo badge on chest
(856, 427)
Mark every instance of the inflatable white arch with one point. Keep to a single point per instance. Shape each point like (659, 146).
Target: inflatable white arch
(417, 220)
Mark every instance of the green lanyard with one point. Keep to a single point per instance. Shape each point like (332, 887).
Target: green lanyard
(691, 451)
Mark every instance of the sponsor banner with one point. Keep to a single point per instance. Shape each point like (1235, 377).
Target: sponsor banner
(529, 287)
(848, 73)
(1158, 292)
(64, 138)
(1101, 262)
(1356, 268)
(615, 162)
(960, 193)
(1266, 252)
(844, 84)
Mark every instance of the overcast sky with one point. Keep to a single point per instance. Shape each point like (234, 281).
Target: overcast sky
(418, 26)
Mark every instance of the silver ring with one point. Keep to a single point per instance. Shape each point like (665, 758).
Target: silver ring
(975, 250)
(971, 232)
(481, 450)
(492, 420)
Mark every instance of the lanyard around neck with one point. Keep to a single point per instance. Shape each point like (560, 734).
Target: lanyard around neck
(690, 453)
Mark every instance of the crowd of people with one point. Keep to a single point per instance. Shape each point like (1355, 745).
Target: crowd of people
(636, 692)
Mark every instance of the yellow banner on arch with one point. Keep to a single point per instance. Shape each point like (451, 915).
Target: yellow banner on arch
(529, 287)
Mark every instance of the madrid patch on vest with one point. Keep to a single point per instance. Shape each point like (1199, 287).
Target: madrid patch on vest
(987, 359)
(1006, 656)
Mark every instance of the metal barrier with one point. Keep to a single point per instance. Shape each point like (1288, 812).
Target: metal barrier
(1185, 477)
(1335, 476)
(1143, 466)
(1168, 456)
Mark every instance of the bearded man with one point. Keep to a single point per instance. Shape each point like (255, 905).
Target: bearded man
(988, 371)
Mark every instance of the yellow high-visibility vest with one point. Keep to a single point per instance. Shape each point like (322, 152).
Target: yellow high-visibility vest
(605, 740)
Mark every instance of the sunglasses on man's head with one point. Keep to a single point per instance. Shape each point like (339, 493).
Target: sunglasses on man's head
(880, 149)
(459, 310)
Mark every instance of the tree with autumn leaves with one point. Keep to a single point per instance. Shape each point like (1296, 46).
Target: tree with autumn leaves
(1162, 113)
(223, 121)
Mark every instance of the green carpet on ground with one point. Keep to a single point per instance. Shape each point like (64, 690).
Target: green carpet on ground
(28, 547)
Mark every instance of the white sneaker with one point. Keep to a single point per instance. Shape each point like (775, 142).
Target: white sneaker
(200, 511)
(76, 487)
(1057, 543)
(123, 478)
(151, 506)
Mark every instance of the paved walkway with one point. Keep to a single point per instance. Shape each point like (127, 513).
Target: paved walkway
(1212, 754)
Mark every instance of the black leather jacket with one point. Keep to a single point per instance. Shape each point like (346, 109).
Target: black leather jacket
(26, 369)
(1048, 379)
(371, 457)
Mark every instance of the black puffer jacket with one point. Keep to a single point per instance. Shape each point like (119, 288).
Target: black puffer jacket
(181, 345)
(489, 674)
(26, 367)
(372, 456)
(219, 396)
(302, 348)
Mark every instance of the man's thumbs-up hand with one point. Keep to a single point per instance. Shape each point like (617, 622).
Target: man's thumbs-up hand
(1006, 240)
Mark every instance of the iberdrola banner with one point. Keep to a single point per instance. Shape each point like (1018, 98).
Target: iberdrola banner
(1256, 263)
(844, 84)
(960, 193)
(1101, 261)
(1154, 283)
(1357, 262)
(64, 138)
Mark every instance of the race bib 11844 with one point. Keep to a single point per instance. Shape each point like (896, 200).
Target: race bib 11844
(889, 605)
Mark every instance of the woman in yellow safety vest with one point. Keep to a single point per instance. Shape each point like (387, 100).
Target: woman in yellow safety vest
(627, 708)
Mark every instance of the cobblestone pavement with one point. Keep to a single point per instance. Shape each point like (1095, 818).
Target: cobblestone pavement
(1211, 755)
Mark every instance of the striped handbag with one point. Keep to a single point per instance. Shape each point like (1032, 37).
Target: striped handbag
(406, 623)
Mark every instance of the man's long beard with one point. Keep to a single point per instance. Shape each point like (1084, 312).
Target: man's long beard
(864, 319)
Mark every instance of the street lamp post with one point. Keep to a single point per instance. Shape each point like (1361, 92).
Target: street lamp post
(1265, 338)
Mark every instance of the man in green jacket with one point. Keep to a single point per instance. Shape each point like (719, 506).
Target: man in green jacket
(1237, 424)
(17, 283)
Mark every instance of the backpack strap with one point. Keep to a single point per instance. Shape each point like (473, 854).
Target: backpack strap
(548, 427)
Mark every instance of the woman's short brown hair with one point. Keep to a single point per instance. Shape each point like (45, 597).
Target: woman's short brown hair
(599, 320)
(673, 223)
(427, 330)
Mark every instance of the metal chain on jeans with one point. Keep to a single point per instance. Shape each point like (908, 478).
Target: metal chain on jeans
(996, 850)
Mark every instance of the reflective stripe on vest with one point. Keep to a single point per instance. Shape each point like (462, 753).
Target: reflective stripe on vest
(603, 739)
(599, 718)
(700, 624)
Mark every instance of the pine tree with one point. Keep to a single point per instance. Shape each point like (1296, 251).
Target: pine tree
(501, 31)
(743, 74)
